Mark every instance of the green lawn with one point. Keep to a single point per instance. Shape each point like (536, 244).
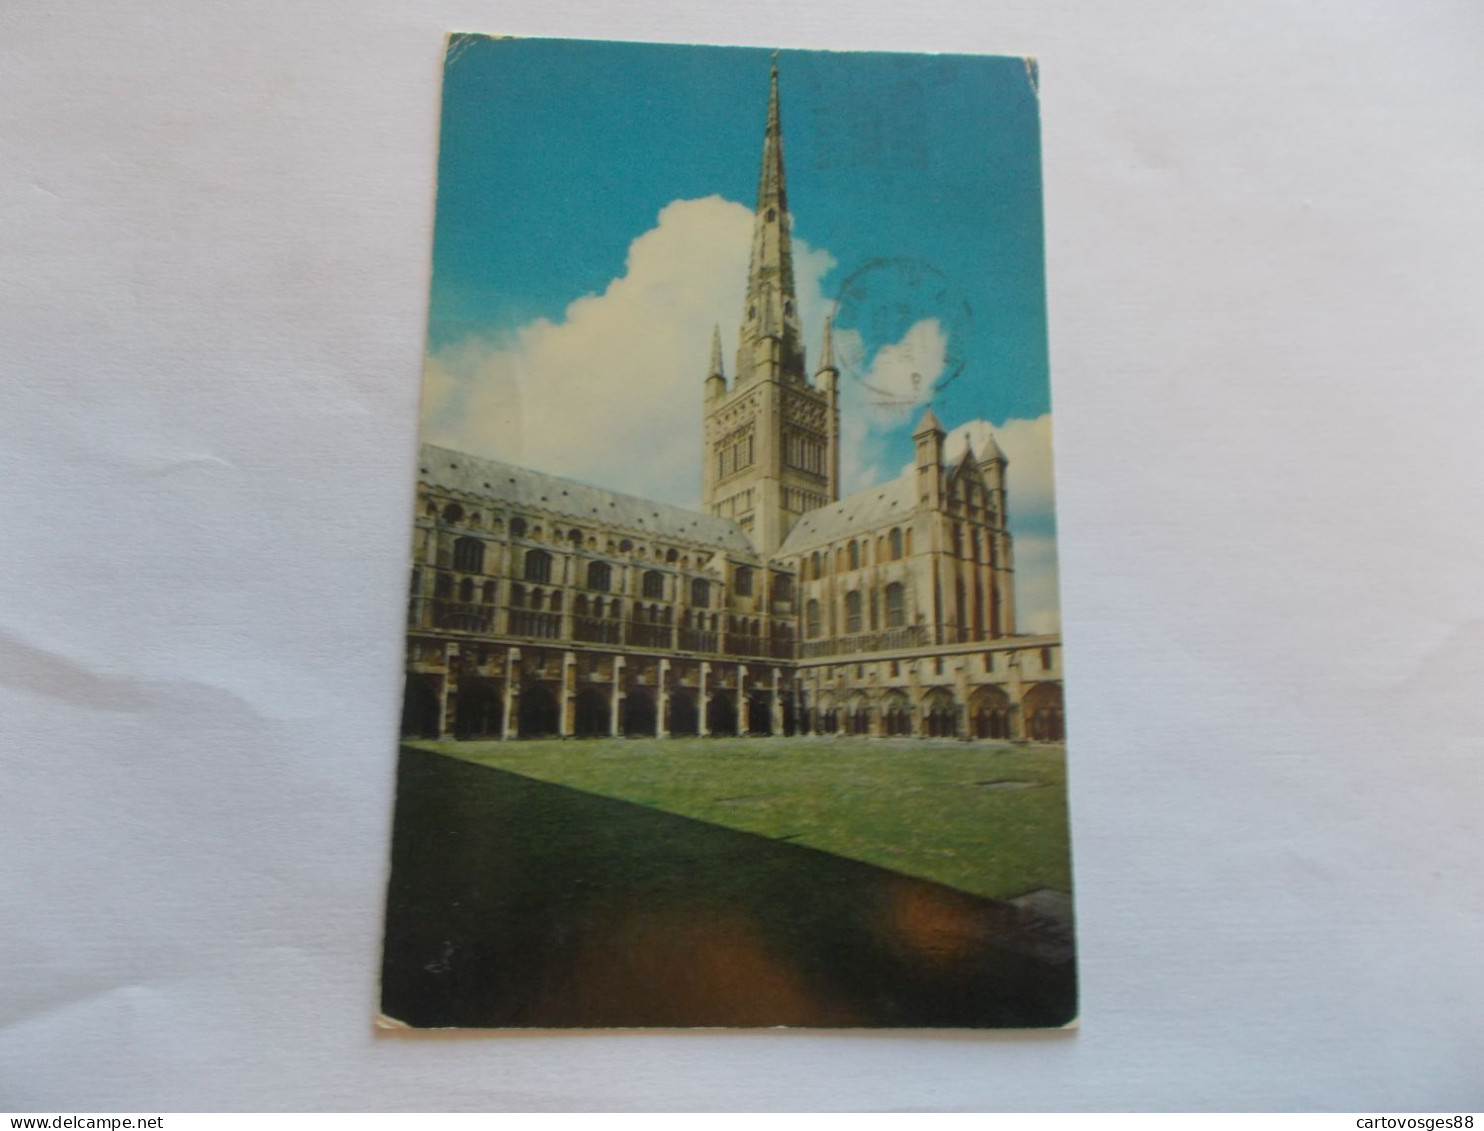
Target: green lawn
(925, 808)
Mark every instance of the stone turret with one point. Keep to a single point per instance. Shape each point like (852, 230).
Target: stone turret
(828, 380)
(992, 464)
(927, 438)
(716, 379)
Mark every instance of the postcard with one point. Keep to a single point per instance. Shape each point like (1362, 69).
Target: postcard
(733, 660)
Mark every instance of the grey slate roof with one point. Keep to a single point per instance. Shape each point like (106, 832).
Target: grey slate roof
(535, 490)
(870, 509)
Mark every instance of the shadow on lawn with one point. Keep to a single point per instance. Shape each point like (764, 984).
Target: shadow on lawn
(518, 903)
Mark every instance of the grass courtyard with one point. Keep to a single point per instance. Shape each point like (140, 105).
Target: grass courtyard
(989, 819)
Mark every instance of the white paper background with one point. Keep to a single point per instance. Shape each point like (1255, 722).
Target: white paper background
(1267, 315)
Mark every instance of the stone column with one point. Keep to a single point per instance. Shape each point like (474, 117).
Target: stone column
(739, 721)
(1016, 691)
(661, 702)
(568, 694)
(702, 722)
(508, 728)
(775, 714)
(448, 692)
(444, 703)
(961, 686)
(615, 711)
(915, 699)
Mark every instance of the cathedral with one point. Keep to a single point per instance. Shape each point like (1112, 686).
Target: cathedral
(541, 606)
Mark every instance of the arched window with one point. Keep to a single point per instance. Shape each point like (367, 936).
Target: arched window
(599, 576)
(575, 537)
(853, 611)
(556, 600)
(517, 596)
(855, 555)
(443, 586)
(896, 543)
(468, 555)
(453, 513)
(538, 565)
(896, 605)
(625, 546)
(742, 581)
(672, 555)
(517, 528)
(814, 566)
(783, 587)
(579, 605)
(811, 619)
(654, 585)
(489, 593)
(700, 593)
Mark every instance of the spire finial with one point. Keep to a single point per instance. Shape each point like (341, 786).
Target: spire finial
(827, 352)
(716, 370)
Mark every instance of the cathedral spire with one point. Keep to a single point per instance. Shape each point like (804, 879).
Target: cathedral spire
(770, 340)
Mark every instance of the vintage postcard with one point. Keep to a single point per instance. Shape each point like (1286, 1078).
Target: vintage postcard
(734, 668)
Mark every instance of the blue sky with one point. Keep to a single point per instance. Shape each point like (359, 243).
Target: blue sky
(592, 224)
(555, 153)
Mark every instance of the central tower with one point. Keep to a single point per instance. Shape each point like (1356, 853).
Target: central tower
(771, 442)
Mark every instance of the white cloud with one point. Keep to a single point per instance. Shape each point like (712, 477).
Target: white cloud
(889, 392)
(1037, 600)
(611, 393)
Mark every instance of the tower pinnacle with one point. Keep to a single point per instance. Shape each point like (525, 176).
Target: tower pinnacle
(827, 350)
(716, 370)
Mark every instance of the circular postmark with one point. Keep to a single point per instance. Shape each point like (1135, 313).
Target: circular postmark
(900, 329)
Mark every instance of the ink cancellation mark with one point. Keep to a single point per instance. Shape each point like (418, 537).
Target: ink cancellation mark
(882, 302)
